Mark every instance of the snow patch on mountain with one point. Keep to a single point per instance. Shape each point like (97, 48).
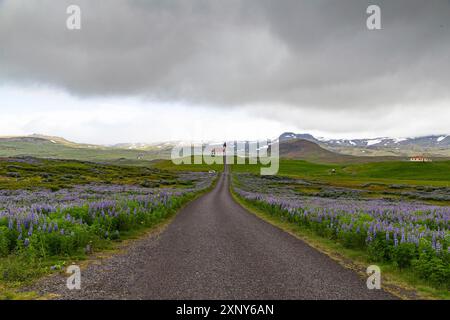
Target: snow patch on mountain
(397, 140)
(373, 142)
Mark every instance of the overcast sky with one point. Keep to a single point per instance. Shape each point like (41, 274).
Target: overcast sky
(214, 69)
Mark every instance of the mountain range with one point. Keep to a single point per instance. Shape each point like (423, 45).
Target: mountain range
(434, 145)
(292, 145)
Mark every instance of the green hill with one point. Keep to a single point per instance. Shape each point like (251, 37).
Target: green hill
(58, 148)
(300, 149)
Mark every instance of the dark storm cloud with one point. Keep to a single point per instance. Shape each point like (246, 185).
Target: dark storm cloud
(228, 53)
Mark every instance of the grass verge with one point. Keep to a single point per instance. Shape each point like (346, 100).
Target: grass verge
(27, 272)
(403, 284)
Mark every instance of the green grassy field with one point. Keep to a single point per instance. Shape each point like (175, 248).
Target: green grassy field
(427, 182)
(431, 173)
(389, 172)
(29, 173)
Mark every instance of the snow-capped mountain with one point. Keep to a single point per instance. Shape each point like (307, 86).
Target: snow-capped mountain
(435, 144)
(427, 141)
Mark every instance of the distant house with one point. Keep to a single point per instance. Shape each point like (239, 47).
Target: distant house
(420, 159)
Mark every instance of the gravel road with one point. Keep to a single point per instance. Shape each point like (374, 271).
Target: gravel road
(215, 249)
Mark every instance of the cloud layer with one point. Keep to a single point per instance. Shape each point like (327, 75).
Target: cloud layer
(280, 57)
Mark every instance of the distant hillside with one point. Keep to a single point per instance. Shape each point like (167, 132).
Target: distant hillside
(301, 149)
(292, 146)
(59, 148)
(434, 146)
(54, 139)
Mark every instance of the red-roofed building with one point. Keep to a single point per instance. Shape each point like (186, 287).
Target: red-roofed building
(420, 159)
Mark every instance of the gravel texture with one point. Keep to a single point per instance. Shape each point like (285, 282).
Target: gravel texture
(215, 249)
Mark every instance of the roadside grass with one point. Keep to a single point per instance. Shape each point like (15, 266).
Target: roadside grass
(18, 271)
(390, 180)
(27, 173)
(23, 272)
(402, 283)
(353, 175)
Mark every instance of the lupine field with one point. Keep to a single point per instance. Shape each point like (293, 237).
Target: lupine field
(410, 235)
(38, 223)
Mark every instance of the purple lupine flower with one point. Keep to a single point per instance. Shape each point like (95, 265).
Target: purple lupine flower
(438, 246)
